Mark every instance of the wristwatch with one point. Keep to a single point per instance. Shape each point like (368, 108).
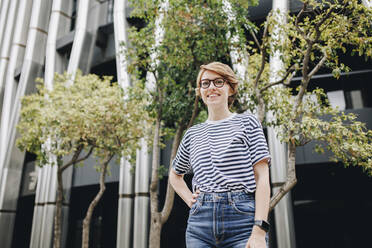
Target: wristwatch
(264, 225)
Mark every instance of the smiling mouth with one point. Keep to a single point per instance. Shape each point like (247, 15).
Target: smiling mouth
(213, 95)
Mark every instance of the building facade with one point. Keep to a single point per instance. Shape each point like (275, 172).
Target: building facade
(329, 207)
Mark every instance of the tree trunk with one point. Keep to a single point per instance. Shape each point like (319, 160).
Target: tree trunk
(169, 197)
(159, 218)
(291, 177)
(155, 231)
(155, 225)
(93, 204)
(58, 213)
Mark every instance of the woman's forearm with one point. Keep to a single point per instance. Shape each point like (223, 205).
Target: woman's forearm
(262, 200)
(179, 185)
(262, 196)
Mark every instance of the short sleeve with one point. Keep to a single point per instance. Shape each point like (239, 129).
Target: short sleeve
(257, 144)
(181, 163)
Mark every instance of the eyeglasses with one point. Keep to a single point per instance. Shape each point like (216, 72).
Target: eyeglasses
(218, 83)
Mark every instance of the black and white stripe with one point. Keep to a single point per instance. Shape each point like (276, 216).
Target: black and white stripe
(222, 153)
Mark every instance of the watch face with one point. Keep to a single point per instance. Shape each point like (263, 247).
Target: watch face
(262, 224)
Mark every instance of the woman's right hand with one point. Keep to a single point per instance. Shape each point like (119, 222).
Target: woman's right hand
(193, 198)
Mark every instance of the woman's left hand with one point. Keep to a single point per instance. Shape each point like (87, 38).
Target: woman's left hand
(256, 242)
(257, 239)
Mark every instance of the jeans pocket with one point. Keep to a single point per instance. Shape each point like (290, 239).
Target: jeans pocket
(194, 208)
(244, 207)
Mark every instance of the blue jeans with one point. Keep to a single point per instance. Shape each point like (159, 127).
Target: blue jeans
(221, 220)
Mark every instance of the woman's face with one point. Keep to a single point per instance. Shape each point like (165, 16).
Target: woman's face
(213, 95)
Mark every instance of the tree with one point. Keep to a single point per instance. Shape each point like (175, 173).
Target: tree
(314, 38)
(194, 34)
(89, 116)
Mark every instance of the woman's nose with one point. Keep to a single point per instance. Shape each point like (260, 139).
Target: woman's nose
(211, 86)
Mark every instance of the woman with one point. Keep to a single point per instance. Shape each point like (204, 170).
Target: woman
(229, 157)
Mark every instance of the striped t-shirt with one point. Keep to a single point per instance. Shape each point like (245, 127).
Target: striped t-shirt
(222, 153)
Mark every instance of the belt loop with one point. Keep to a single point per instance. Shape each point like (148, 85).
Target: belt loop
(201, 197)
(229, 197)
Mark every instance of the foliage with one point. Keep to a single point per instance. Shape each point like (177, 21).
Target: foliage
(312, 40)
(90, 112)
(195, 34)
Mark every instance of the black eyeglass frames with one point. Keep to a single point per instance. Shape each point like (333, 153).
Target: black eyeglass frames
(218, 83)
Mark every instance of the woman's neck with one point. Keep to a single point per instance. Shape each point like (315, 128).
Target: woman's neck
(218, 113)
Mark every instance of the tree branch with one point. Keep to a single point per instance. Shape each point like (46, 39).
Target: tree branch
(263, 56)
(318, 66)
(299, 15)
(74, 159)
(291, 178)
(255, 40)
(317, 26)
(169, 198)
(195, 112)
(281, 81)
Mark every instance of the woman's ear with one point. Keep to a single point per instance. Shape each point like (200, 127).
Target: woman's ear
(197, 91)
(231, 91)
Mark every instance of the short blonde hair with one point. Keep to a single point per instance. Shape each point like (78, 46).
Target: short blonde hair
(225, 71)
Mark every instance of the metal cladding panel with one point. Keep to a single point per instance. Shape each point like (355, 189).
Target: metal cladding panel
(3, 17)
(41, 14)
(10, 183)
(88, 174)
(120, 35)
(51, 195)
(284, 222)
(64, 10)
(278, 152)
(141, 221)
(85, 36)
(5, 47)
(65, 213)
(126, 178)
(23, 21)
(143, 169)
(30, 71)
(7, 221)
(36, 227)
(47, 225)
(38, 51)
(125, 220)
(86, 51)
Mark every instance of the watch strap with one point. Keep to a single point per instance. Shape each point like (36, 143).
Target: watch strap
(264, 225)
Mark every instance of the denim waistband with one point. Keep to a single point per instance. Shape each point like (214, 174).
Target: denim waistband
(225, 196)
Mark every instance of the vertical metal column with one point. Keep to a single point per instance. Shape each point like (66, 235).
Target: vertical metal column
(240, 67)
(142, 198)
(88, 17)
(15, 60)
(126, 179)
(143, 166)
(3, 17)
(14, 158)
(4, 61)
(87, 22)
(285, 231)
(5, 50)
(17, 52)
(45, 198)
